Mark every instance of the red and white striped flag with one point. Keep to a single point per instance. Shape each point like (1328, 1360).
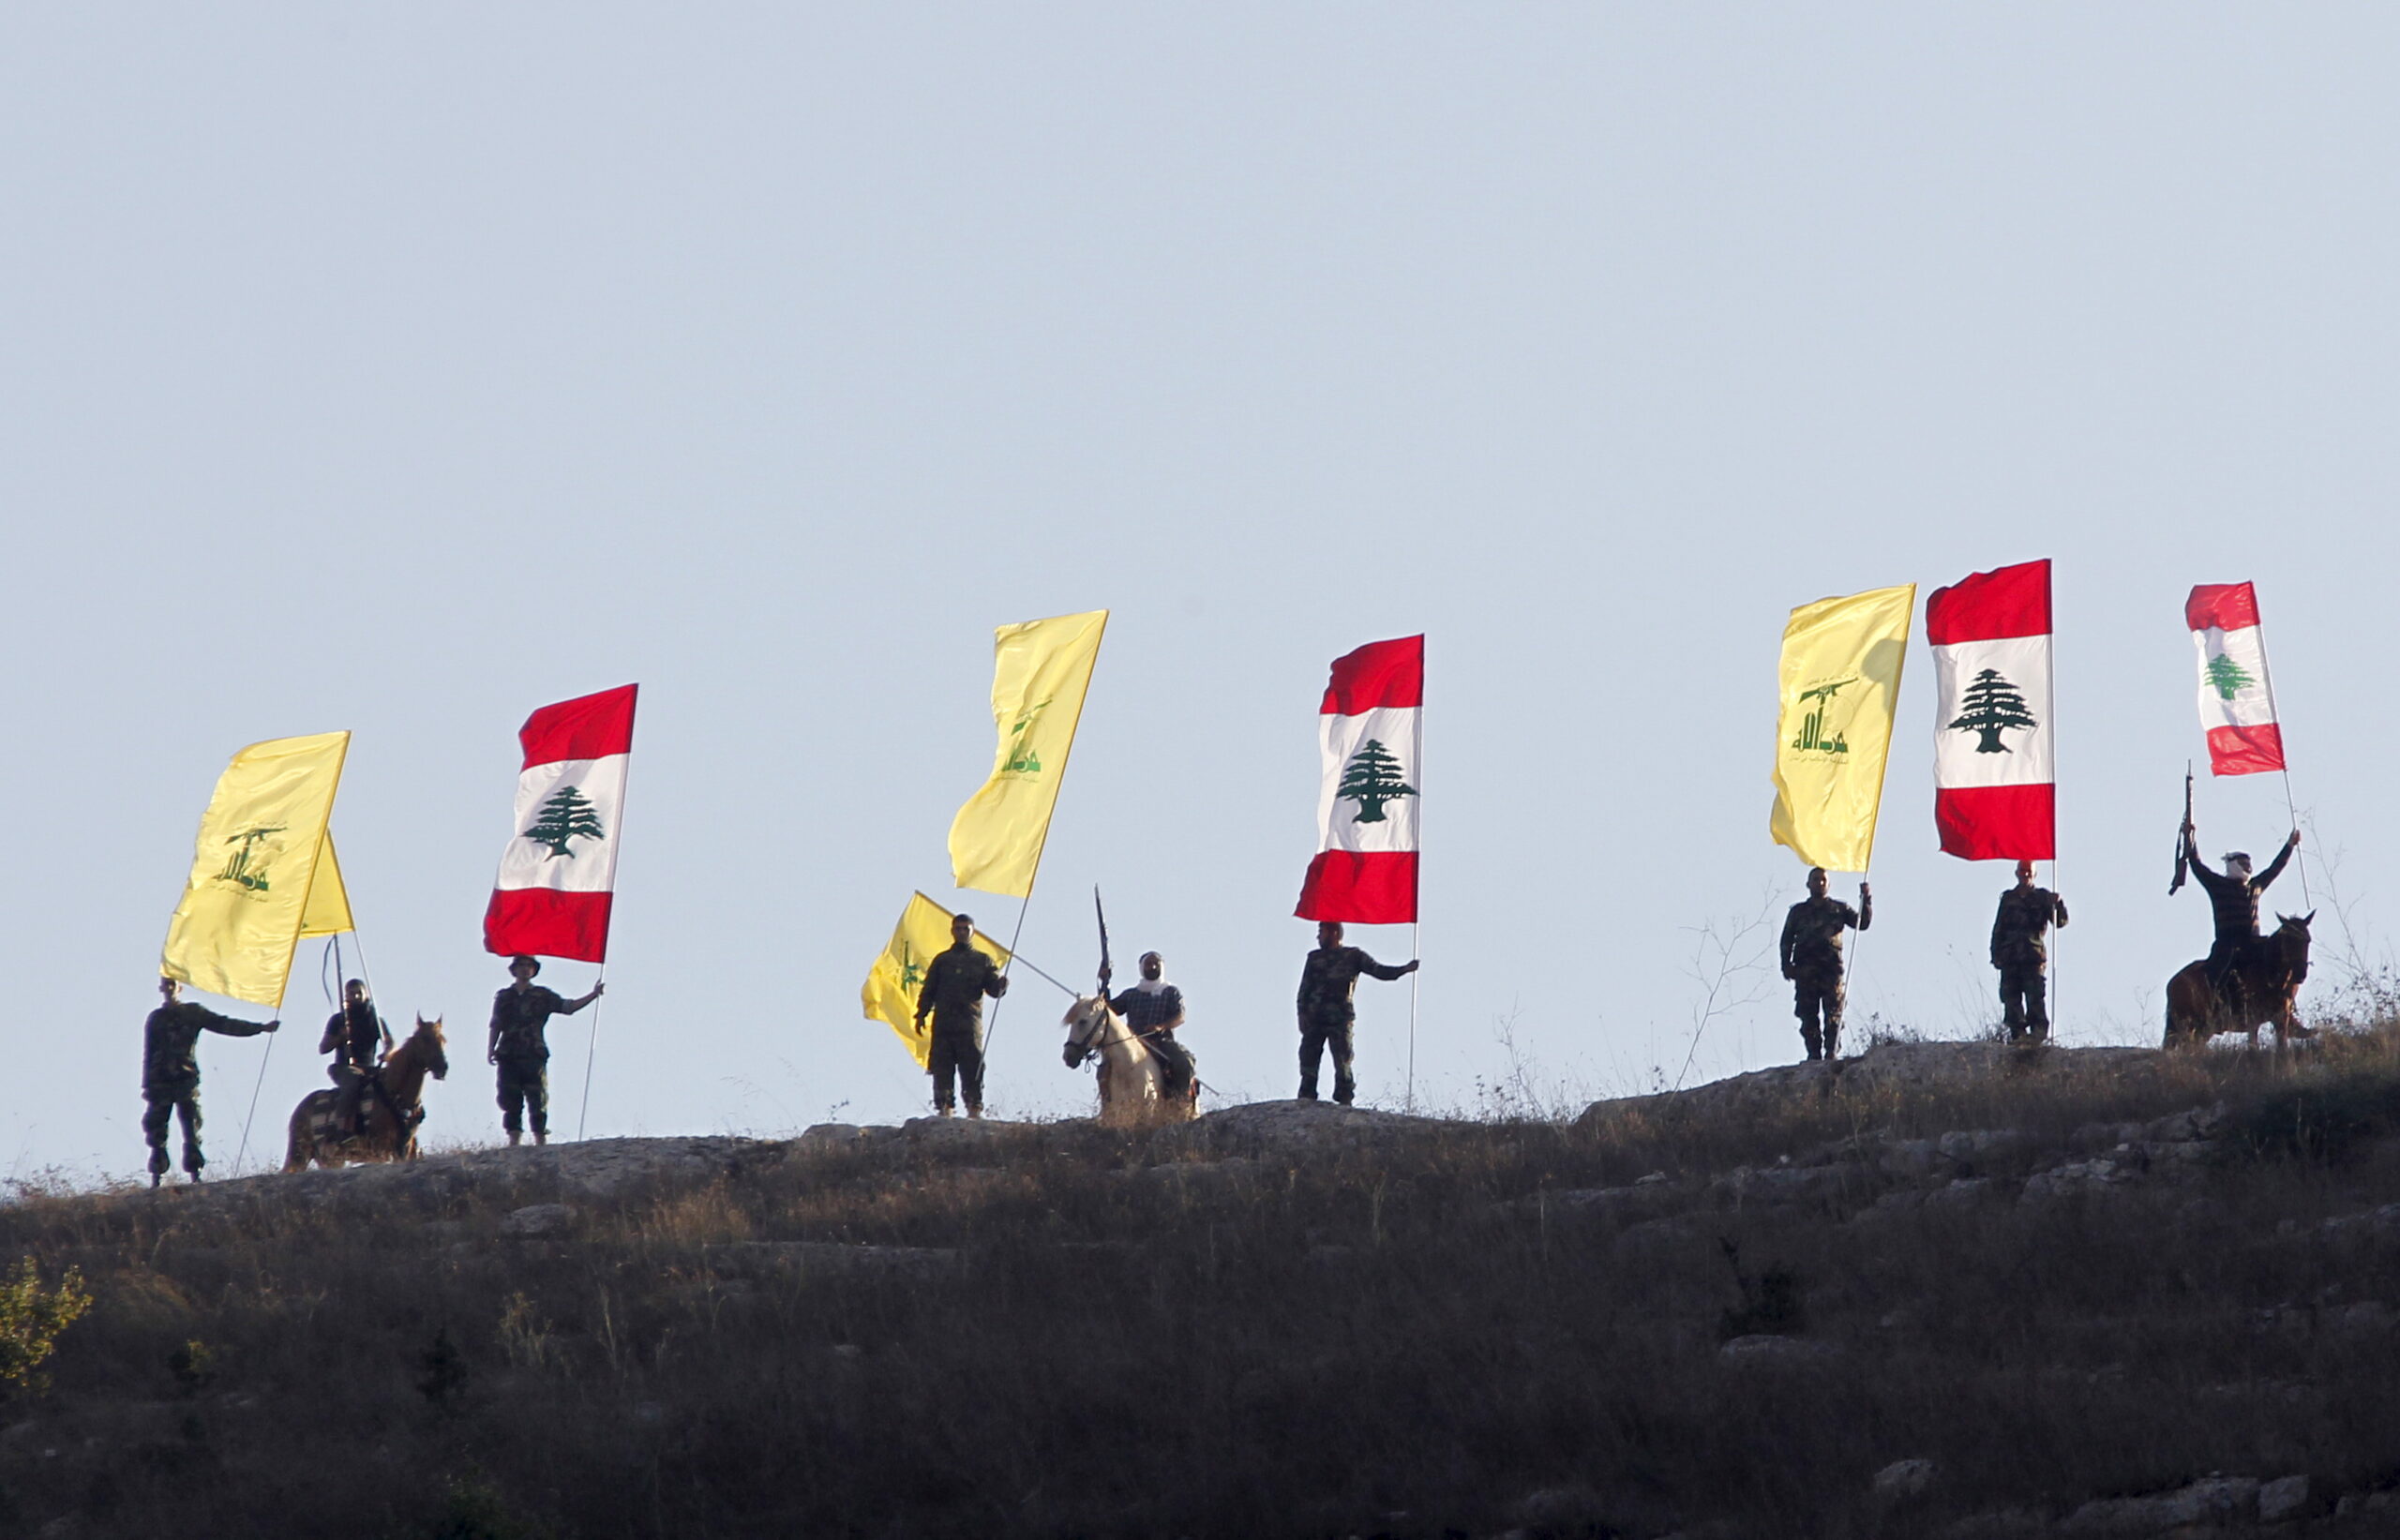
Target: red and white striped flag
(1994, 783)
(2237, 702)
(559, 874)
(1365, 868)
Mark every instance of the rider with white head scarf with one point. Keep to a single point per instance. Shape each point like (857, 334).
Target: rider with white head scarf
(1153, 1009)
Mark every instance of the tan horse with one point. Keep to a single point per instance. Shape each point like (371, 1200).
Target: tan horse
(394, 1109)
(1132, 1082)
(2268, 983)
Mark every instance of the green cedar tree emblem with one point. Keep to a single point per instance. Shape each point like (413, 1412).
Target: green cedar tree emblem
(1021, 759)
(1371, 779)
(568, 815)
(1991, 704)
(2228, 677)
(1812, 727)
(245, 868)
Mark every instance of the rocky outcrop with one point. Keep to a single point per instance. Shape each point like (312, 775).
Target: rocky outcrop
(1883, 1070)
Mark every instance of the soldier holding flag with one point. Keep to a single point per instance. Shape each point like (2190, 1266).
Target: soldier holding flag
(956, 982)
(1811, 952)
(2023, 956)
(170, 1073)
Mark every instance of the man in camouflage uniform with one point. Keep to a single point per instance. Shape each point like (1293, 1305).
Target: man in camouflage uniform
(1812, 951)
(357, 1039)
(1327, 1016)
(956, 982)
(521, 1052)
(2233, 899)
(2020, 953)
(1152, 1009)
(170, 1073)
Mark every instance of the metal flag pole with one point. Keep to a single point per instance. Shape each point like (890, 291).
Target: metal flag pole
(1416, 926)
(2291, 806)
(591, 1044)
(2058, 933)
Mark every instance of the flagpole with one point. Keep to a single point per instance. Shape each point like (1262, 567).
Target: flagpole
(1041, 849)
(2058, 932)
(2291, 806)
(591, 1044)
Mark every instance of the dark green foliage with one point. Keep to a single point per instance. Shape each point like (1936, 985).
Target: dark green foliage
(193, 1366)
(1771, 1304)
(442, 1371)
(2327, 1122)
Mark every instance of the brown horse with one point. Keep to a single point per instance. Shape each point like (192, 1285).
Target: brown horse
(2269, 982)
(393, 1108)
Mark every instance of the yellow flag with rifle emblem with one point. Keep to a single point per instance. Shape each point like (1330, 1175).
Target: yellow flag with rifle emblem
(1041, 670)
(262, 872)
(1840, 686)
(889, 993)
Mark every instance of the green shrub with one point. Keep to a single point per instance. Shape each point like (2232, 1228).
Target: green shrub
(31, 1320)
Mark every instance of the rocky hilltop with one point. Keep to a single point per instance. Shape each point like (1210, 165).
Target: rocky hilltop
(1941, 1289)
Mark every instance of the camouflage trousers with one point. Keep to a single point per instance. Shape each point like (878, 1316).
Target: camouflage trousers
(1817, 994)
(163, 1104)
(2022, 1009)
(956, 1057)
(525, 1083)
(1317, 1036)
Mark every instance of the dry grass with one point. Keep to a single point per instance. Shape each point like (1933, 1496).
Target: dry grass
(1405, 1339)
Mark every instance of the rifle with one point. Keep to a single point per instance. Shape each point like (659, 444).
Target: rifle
(1101, 914)
(2184, 837)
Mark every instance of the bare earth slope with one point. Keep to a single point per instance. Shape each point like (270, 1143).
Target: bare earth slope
(1939, 1290)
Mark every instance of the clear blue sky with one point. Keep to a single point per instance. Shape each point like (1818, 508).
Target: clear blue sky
(401, 368)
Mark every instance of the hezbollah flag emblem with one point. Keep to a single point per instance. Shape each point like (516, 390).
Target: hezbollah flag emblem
(889, 993)
(1840, 686)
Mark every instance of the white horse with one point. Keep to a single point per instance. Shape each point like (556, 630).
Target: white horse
(1132, 1082)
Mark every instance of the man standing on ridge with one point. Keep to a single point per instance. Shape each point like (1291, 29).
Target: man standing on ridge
(521, 1052)
(957, 981)
(357, 1039)
(2233, 897)
(1153, 1009)
(1328, 1015)
(170, 1073)
(1812, 950)
(2021, 955)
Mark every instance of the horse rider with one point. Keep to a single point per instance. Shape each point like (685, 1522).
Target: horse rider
(1328, 1017)
(357, 1039)
(2233, 898)
(2022, 955)
(170, 1073)
(1811, 952)
(956, 982)
(1153, 1009)
(520, 1051)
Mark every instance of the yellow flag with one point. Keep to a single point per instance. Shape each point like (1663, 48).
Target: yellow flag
(889, 993)
(1840, 685)
(328, 911)
(262, 851)
(1038, 684)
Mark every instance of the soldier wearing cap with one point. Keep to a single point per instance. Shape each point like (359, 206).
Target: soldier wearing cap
(1811, 953)
(2022, 953)
(520, 1051)
(170, 1073)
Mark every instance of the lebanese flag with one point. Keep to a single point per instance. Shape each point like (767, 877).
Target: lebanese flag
(1994, 783)
(559, 874)
(1365, 868)
(2237, 703)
